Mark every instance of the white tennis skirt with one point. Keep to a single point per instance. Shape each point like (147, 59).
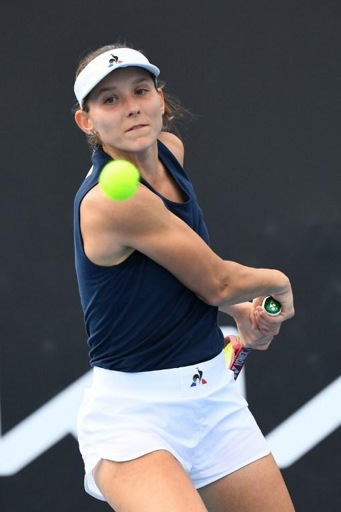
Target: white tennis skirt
(195, 412)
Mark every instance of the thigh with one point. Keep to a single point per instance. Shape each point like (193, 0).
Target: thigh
(257, 487)
(155, 482)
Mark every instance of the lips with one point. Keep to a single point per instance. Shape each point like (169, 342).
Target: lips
(136, 127)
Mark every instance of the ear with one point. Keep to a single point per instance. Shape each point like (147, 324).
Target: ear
(83, 121)
(162, 100)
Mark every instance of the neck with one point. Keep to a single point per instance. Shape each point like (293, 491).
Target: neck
(147, 160)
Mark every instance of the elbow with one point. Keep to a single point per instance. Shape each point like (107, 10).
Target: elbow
(220, 295)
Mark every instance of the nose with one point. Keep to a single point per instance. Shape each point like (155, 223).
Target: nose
(133, 109)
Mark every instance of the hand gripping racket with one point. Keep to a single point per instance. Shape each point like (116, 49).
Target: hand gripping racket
(235, 353)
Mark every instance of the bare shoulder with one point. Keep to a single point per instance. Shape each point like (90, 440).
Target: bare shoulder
(109, 228)
(174, 144)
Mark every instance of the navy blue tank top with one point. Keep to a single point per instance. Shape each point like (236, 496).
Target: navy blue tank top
(138, 316)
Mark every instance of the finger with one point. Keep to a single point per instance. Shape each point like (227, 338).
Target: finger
(269, 329)
(268, 323)
(253, 320)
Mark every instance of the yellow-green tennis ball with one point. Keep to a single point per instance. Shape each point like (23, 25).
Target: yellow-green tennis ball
(119, 180)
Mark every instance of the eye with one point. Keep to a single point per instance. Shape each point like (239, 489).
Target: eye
(110, 100)
(141, 91)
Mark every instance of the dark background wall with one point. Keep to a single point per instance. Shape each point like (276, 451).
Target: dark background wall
(263, 80)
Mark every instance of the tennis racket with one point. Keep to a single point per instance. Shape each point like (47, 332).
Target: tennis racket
(235, 353)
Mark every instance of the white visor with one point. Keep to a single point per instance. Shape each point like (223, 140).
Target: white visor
(104, 64)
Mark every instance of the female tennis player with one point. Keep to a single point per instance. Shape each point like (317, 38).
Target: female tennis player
(162, 426)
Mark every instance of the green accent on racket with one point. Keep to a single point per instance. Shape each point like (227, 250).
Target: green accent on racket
(271, 306)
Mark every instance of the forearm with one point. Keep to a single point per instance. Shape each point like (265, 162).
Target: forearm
(243, 284)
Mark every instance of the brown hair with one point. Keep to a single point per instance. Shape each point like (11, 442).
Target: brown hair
(174, 111)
